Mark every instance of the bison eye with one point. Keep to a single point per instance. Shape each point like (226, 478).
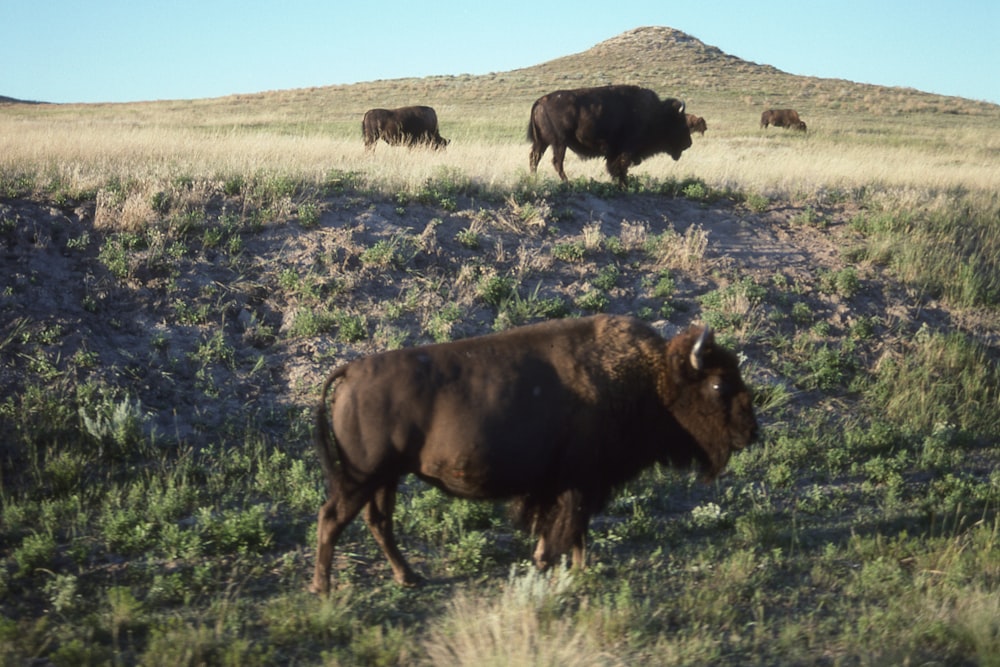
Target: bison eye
(721, 388)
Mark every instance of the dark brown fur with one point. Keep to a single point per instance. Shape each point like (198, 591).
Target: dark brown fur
(554, 416)
(696, 124)
(787, 118)
(622, 124)
(406, 126)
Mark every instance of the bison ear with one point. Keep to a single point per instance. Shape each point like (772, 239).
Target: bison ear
(698, 350)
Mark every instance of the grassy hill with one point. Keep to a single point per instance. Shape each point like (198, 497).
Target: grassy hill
(176, 279)
(859, 134)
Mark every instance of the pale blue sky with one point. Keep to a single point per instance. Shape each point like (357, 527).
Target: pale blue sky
(132, 50)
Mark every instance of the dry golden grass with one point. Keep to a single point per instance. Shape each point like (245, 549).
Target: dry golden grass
(82, 158)
(859, 135)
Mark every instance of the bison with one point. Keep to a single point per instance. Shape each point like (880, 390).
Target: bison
(553, 416)
(787, 118)
(406, 126)
(622, 124)
(696, 124)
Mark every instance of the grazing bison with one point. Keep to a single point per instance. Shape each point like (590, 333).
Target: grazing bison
(622, 124)
(787, 118)
(696, 124)
(406, 126)
(554, 416)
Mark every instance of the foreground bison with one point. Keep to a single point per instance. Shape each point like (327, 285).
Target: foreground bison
(787, 118)
(404, 126)
(622, 124)
(696, 124)
(554, 416)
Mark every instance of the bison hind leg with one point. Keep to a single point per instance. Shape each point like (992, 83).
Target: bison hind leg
(536, 156)
(558, 157)
(334, 516)
(378, 516)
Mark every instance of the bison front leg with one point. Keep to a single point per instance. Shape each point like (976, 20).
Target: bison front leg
(566, 533)
(618, 168)
(378, 516)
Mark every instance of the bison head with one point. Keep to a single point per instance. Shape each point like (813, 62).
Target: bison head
(675, 123)
(709, 401)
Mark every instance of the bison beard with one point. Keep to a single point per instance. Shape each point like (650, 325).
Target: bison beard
(554, 416)
(622, 124)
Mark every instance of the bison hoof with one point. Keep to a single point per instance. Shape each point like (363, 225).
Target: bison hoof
(320, 590)
(409, 580)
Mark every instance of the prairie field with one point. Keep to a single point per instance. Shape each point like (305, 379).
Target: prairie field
(180, 276)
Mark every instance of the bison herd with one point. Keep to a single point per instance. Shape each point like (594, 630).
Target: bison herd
(554, 416)
(622, 124)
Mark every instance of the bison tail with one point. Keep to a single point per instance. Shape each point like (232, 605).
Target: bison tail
(532, 133)
(323, 439)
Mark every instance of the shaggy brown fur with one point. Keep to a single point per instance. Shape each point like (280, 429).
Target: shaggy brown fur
(787, 118)
(406, 126)
(554, 415)
(696, 124)
(622, 124)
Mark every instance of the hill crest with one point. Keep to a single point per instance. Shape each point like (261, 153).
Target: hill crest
(675, 62)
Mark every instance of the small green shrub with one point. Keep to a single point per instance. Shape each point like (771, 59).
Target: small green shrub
(844, 282)
(468, 238)
(350, 328)
(757, 203)
(594, 301)
(36, 551)
(570, 251)
(696, 191)
(441, 321)
(615, 246)
(727, 307)
(116, 423)
(233, 531)
(515, 310)
(115, 254)
(495, 289)
(607, 277)
(665, 286)
(310, 322)
(309, 215)
(384, 254)
(802, 314)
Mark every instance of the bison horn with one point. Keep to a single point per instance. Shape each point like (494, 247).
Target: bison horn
(683, 105)
(698, 349)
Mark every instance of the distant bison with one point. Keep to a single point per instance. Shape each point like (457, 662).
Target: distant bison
(406, 126)
(554, 416)
(622, 124)
(787, 118)
(696, 124)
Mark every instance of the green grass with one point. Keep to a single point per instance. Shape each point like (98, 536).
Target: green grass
(863, 527)
(161, 351)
